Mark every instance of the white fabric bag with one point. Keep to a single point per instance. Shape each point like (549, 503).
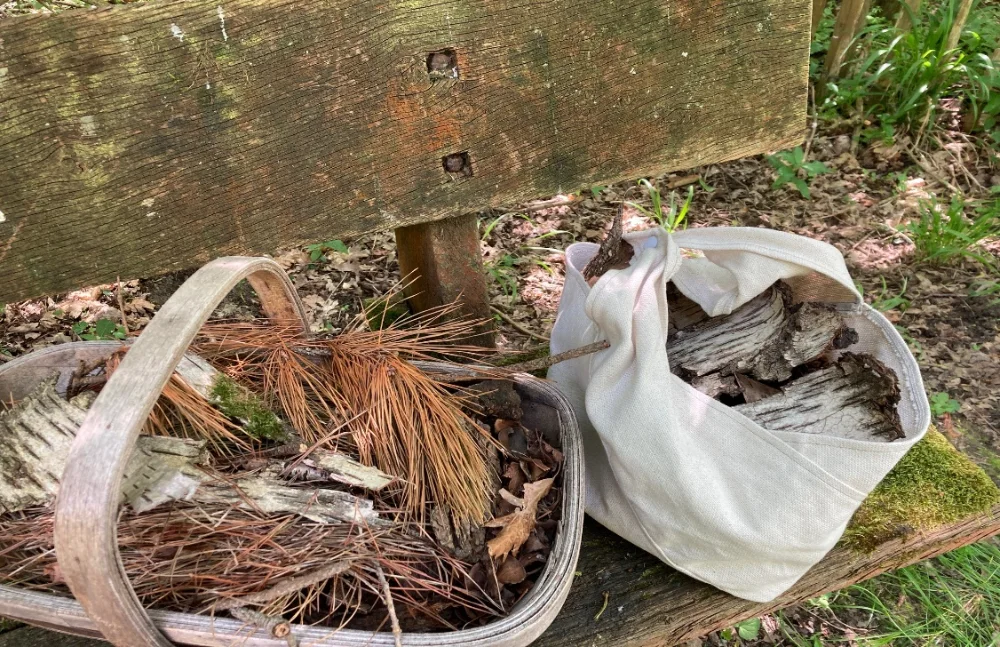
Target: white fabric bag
(683, 476)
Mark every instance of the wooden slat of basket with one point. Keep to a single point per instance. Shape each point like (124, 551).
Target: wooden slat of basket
(89, 497)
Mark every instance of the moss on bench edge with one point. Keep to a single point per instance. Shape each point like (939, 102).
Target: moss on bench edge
(933, 485)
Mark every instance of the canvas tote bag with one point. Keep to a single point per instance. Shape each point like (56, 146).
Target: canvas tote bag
(682, 475)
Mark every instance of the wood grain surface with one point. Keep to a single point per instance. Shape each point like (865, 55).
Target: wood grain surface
(145, 138)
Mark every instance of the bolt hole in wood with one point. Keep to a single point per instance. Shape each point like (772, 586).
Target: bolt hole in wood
(458, 164)
(442, 65)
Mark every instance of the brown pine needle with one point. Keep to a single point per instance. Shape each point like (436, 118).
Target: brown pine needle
(181, 411)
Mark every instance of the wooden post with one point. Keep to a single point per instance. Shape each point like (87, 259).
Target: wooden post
(956, 29)
(445, 264)
(817, 14)
(850, 18)
(905, 21)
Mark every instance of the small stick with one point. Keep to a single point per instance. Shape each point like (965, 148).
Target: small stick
(397, 632)
(500, 313)
(545, 362)
(285, 587)
(121, 305)
(500, 372)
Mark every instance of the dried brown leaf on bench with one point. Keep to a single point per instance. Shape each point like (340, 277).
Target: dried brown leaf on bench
(518, 525)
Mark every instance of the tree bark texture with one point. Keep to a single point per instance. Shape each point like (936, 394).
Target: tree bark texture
(651, 604)
(151, 137)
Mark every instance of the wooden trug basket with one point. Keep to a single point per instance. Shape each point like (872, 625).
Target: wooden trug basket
(89, 499)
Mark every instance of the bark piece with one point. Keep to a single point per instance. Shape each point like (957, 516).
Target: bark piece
(344, 469)
(614, 253)
(35, 438)
(684, 312)
(715, 384)
(265, 493)
(38, 434)
(765, 338)
(464, 540)
(754, 390)
(855, 397)
(730, 343)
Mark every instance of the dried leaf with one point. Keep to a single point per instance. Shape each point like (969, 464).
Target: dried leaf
(518, 525)
(511, 571)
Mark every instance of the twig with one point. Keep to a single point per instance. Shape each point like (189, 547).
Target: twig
(121, 305)
(274, 625)
(521, 367)
(538, 205)
(545, 362)
(926, 168)
(503, 315)
(285, 587)
(397, 632)
(682, 181)
(814, 125)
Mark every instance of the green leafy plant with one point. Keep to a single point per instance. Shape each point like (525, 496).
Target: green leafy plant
(793, 169)
(671, 217)
(901, 76)
(942, 403)
(986, 288)
(946, 232)
(317, 251)
(504, 272)
(103, 329)
(886, 300)
(749, 629)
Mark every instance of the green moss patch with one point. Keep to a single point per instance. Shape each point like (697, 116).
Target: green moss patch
(240, 404)
(382, 312)
(933, 485)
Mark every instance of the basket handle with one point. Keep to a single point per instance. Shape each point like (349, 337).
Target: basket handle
(87, 507)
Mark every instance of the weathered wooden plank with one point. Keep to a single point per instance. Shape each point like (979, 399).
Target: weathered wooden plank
(146, 138)
(651, 604)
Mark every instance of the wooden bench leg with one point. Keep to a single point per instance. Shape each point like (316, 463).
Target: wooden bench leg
(445, 263)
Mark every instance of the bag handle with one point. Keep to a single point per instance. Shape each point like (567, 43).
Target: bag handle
(87, 506)
(741, 262)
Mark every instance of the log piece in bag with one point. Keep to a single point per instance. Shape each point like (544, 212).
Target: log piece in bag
(735, 441)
